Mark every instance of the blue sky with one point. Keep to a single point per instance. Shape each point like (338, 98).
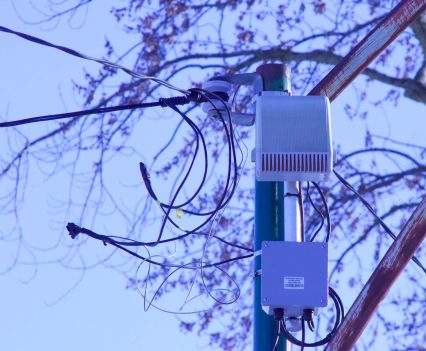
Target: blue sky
(99, 314)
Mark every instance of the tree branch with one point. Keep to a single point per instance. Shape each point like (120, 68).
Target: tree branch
(412, 88)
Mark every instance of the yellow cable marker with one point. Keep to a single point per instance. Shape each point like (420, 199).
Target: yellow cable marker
(179, 213)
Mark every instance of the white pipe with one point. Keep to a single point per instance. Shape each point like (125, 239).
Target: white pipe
(292, 227)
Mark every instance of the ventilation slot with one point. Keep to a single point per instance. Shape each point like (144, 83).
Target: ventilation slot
(295, 162)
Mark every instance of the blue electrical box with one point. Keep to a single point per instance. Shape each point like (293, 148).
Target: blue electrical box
(294, 276)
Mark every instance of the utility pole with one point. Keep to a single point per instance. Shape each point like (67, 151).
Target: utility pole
(269, 220)
(380, 282)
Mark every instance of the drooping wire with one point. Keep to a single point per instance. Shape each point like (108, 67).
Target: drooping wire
(86, 57)
(147, 179)
(228, 189)
(234, 183)
(230, 185)
(379, 220)
(168, 209)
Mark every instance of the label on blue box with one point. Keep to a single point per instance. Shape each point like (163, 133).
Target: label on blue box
(294, 283)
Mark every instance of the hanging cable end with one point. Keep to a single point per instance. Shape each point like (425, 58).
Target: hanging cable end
(73, 230)
(144, 172)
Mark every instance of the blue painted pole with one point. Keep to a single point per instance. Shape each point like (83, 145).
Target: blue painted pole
(269, 221)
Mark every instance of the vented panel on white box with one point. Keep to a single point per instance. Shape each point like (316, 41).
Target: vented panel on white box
(293, 138)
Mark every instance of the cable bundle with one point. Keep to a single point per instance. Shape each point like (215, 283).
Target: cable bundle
(307, 318)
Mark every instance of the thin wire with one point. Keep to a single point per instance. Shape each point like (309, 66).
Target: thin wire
(371, 210)
(151, 302)
(86, 57)
(277, 333)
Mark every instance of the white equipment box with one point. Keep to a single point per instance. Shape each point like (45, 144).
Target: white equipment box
(293, 137)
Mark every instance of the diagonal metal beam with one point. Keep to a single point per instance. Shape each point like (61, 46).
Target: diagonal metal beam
(380, 282)
(369, 48)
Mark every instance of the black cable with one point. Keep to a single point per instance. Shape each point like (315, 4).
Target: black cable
(196, 95)
(163, 102)
(317, 211)
(229, 188)
(147, 180)
(182, 183)
(371, 210)
(145, 176)
(77, 114)
(302, 347)
(301, 210)
(74, 231)
(221, 203)
(327, 211)
(339, 300)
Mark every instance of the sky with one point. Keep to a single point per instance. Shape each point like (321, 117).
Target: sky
(99, 314)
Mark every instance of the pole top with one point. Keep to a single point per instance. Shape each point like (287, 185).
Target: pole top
(275, 76)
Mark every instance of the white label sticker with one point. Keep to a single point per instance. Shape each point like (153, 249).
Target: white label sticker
(294, 283)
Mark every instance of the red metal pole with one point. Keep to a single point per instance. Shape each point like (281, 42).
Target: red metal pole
(380, 282)
(369, 48)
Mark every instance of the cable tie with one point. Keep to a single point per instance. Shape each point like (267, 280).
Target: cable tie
(174, 100)
(291, 194)
(257, 273)
(196, 96)
(257, 253)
